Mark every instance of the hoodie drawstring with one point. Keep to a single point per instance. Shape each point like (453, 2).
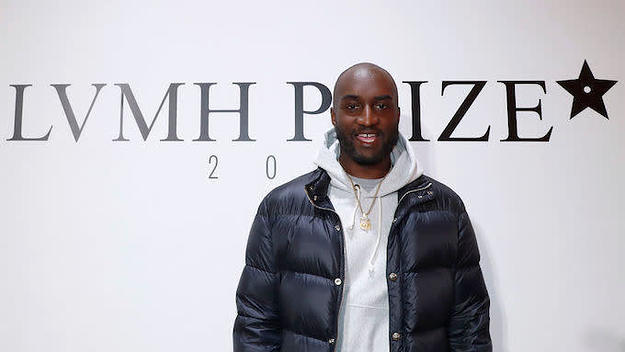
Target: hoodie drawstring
(377, 242)
(351, 227)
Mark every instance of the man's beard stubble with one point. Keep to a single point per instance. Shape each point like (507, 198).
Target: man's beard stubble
(347, 146)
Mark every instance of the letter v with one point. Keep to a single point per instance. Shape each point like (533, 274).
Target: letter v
(69, 112)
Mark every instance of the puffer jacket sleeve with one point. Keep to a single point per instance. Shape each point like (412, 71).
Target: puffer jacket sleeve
(469, 321)
(257, 325)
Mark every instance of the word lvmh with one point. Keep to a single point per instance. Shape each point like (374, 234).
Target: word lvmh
(171, 96)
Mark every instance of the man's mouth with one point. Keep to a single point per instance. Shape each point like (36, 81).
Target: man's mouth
(367, 138)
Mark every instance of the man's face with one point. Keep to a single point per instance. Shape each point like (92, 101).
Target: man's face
(366, 116)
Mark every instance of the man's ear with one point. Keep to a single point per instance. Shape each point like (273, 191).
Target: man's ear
(398, 113)
(333, 118)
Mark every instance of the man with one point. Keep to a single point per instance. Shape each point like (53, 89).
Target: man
(365, 253)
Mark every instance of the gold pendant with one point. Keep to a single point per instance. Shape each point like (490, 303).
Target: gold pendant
(365, 224)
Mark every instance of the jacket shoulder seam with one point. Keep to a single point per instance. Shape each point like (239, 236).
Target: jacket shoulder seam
(257, 268)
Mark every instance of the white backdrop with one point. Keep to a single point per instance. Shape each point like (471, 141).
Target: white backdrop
(130, 246)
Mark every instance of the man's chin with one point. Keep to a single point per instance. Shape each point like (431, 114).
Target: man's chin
(368, 160)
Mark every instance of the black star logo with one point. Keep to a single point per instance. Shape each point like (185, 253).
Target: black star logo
(587, 91)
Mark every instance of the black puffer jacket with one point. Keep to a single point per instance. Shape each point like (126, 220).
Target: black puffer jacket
(290, 290)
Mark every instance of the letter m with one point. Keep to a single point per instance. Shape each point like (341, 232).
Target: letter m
(171, 95)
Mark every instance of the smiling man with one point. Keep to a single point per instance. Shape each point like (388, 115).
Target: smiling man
(365, 253)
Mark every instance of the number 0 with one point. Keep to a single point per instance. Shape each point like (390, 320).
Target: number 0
(273, 167)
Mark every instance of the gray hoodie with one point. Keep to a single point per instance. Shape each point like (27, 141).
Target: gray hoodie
(363, 317)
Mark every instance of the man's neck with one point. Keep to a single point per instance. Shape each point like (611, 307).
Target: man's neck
(378, 170)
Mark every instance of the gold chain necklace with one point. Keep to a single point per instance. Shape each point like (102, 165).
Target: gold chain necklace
(365, 223)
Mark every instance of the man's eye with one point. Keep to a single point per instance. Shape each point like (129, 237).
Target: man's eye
(350, 106)
(381, 106)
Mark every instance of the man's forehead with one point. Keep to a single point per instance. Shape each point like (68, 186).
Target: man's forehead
(365, 89)
(365, 80)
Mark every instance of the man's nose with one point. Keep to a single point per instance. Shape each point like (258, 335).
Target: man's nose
(368, 117)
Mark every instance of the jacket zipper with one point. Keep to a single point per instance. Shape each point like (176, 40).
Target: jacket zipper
(411, 191)
(343, 245)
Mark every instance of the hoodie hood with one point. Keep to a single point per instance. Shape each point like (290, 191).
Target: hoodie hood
(404, 165)
(404, 169)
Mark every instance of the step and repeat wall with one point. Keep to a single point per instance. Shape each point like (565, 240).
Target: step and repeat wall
(137, 139)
